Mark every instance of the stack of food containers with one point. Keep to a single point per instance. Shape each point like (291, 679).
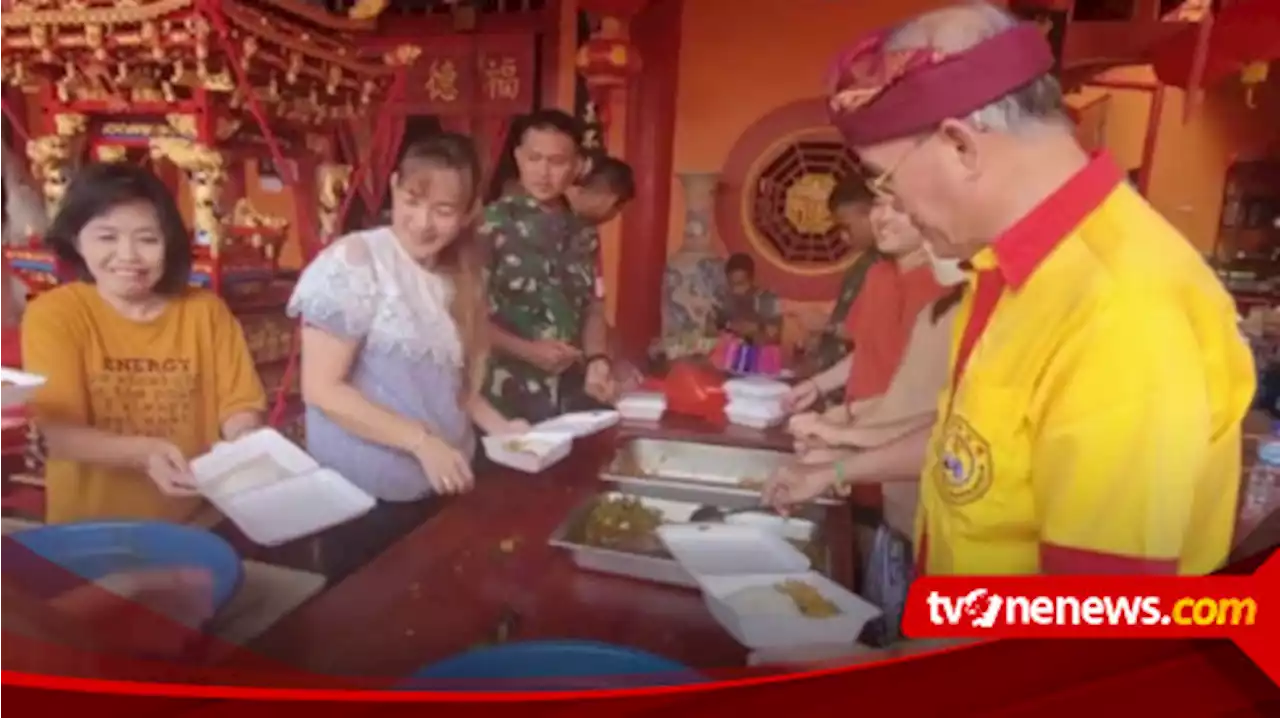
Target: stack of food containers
(762, 590)
(755, 402)
(643, 406)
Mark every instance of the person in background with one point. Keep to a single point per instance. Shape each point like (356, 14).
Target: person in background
(879, 322)
(143, 372)
(545, 295)
(605, 188)
(850, 204)
(1092, 419)
(747, 311)
(394, 337)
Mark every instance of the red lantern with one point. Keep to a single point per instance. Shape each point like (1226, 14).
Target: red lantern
(607, 61)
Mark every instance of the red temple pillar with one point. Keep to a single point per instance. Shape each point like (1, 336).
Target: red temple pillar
(650, 143)
(637, 114)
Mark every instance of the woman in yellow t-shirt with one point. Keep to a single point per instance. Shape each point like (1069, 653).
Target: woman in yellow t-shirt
(143, 371)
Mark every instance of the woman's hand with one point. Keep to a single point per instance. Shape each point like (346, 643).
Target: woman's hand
(794, 484)
(447, 470)
(813, 450)
(801, 397)
(552, 356)
(802, 425)
(814, 431)
(166, 466)
(599, 383)
(511, 427)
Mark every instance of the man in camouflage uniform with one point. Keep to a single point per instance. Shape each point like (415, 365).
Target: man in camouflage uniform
(850, 204)
(546, 308)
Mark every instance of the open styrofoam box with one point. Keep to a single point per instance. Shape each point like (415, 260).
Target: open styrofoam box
(530, 452)
(712, 549)
(580, 423)
(788, 527)
(274, 491)
(756, 413)
(777, 630)
(643, 406)
(18, 386)
(755, 389)
(725, 558)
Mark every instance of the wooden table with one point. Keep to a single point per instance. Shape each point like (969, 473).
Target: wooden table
(448, 583)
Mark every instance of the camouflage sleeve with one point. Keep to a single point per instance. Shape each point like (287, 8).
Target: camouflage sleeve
(586, 264)
(493, 235)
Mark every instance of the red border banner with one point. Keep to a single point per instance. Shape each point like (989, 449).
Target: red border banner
(1010, 677)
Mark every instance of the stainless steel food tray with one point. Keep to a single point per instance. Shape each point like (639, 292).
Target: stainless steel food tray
(701, 473)
(646, 567)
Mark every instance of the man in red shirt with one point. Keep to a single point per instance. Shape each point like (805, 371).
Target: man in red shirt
(878, 323)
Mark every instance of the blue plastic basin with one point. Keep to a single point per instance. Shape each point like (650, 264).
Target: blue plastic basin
(552, 665)
(94, 550)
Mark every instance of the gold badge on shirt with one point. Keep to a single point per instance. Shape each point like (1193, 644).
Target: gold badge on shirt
(962, 468)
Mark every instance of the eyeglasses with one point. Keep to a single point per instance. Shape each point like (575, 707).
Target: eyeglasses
(879, 184)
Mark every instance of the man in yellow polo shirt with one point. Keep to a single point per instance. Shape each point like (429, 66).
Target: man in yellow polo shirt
(1092, 420)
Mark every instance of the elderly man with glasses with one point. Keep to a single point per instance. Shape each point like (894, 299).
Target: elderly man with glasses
(1091, 423)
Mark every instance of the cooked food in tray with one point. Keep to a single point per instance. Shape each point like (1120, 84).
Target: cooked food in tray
(524, 446)
(808, 600)
(791, 597)
(623, 523)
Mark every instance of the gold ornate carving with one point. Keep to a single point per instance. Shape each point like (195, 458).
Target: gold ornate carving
(183, 125)
(111, 153)
(205, 169)
(333, 179)
(48, 155)
(244, 214)
(806, 203)
(105, 12)
(227, 127)
(366, 9)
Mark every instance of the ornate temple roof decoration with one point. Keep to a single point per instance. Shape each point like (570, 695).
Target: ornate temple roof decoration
(299, 60)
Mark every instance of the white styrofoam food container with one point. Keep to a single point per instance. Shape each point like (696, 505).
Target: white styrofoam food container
(643, 406)
(727, 549)
(274, 491)
(767, 629)
(787, 527)
(756, 388)
(755, 413)
(530, 452)
(18, 386)
(581, 423)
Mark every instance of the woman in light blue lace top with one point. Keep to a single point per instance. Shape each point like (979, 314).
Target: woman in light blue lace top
(393, 339)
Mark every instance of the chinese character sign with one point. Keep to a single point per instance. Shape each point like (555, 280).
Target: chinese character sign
(473, 75)
(506, 78)
(501, 79)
